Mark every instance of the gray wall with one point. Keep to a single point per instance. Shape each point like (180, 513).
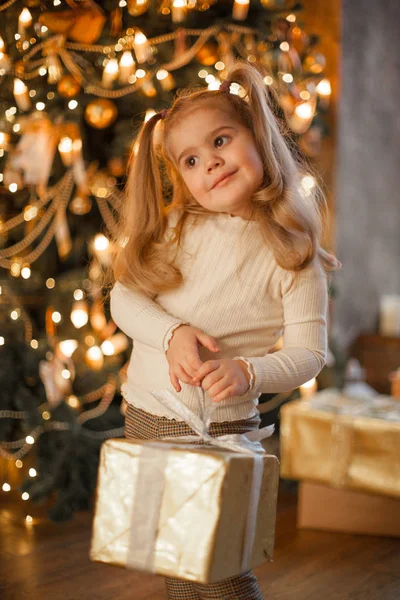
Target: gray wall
(368, 166)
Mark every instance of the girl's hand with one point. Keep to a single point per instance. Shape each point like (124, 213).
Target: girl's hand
(183, 353)
(223, 378)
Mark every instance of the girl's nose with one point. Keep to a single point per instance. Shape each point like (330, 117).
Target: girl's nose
(213, 163)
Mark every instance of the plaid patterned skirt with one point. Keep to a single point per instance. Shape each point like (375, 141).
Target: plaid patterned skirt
(144, 426)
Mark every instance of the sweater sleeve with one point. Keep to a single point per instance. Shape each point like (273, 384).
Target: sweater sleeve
(305, 305)
(141, 318)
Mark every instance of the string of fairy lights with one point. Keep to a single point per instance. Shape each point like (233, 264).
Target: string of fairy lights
(129, 66)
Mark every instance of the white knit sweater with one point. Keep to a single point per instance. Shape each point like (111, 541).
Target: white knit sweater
(238, 294)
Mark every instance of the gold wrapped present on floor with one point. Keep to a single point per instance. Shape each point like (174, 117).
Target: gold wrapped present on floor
(343, 442)
(202, 513)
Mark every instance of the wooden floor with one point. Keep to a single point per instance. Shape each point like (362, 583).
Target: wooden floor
(46, 561)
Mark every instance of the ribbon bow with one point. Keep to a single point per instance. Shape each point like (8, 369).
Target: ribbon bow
(247, 443)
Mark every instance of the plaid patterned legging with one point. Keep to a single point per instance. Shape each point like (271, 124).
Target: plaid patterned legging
(142, 425)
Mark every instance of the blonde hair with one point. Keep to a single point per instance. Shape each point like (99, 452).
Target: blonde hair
(292, 223)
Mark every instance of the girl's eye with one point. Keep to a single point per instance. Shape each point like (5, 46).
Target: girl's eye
(219, 141)
(190, 161)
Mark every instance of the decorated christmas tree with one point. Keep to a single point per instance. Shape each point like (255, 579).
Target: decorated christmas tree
(76, 81)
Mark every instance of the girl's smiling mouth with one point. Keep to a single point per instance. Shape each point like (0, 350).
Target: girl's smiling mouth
(224, 179)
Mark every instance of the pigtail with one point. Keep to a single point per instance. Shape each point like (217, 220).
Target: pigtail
(296, 216)
(140, 248)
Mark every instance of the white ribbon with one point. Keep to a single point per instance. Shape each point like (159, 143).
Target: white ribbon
(247, 443)
(143, 530)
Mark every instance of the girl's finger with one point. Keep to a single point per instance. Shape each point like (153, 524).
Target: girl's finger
(175, 382)
(206, 368)
(214, 382)
(183, 376)
(226, 393)
(188, 369)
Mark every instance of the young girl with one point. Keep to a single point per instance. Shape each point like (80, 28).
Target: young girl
(206, 284)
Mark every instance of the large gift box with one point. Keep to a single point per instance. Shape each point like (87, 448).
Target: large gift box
(343, 442)
(201, 513)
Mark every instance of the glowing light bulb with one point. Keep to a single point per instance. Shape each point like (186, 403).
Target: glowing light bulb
(214, 85)
(68, 347)
(21, 95)
(141, 47)
(179, 9)
(56, 317)
(101, 242)
(65, 150)
(110, 72)
(324, 91)
(79, 314)
(240, 9)
(126, 67)
(26, 272)
(304, 110)
(94, 357)
(166, 80)
(114, 345)
(24, 21)
(150, 112)
(73, 401)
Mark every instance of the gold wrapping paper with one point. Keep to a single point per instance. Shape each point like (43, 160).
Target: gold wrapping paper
(201, 513)
(342, 450)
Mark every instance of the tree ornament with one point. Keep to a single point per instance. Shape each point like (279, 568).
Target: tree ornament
(34, 153)
(100, 113)
(81, 204)
(68, 87)
(57, 376)
(137, 7)
(208, 54)
(83, 24)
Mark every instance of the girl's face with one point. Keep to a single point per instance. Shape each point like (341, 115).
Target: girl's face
(218, 159)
